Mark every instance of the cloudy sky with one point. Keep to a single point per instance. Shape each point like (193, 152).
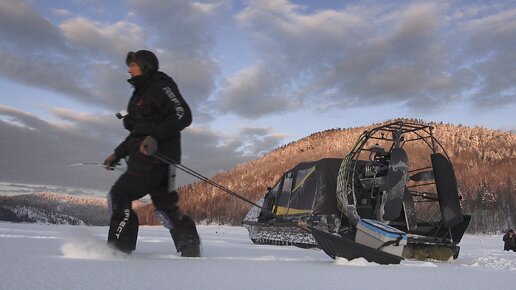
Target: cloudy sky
(257, 74)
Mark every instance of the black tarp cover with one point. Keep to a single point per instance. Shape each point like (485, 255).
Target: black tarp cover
(306, 189)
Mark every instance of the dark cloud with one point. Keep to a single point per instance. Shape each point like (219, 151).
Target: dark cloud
(105, 127)
(42, 55)
(258, 141)
(38, 152)
(491, 52)
(205, 152)
(107, 85)
(23, 27)
(194, 76)
(185, 23)
(84, 59)
(99, 84)
(111, 40)
(185, 43)
(422, 55)
(86, 64)
(208, 151)
(255, 92)
(35, 151)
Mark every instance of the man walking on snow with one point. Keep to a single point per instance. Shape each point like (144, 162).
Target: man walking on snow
(156, 115)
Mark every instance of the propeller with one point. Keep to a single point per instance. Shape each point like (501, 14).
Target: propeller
(394, 186)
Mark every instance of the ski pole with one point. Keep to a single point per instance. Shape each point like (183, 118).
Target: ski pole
(96, 164)
(192, 172)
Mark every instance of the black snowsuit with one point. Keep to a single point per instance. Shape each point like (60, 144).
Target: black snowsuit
(509, 241)
(156, 109)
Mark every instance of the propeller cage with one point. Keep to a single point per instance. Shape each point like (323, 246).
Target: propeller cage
(378, 179)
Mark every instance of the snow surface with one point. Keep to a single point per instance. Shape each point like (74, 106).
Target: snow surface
(36, 256)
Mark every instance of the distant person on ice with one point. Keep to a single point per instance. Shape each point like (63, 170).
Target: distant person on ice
(156, 115)
(509, 241)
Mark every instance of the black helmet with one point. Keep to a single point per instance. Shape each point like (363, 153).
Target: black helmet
(146, 60)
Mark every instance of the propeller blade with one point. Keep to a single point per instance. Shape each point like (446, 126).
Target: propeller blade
(394, 186)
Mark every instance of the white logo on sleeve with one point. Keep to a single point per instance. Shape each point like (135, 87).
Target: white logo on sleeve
(180, 111)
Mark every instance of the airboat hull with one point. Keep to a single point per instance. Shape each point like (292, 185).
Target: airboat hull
(419, 247)
(337, 246)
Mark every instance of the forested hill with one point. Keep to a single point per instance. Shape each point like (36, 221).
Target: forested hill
(484, 161)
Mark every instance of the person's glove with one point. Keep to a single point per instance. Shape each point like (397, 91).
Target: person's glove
(149, 145)
(111, 161)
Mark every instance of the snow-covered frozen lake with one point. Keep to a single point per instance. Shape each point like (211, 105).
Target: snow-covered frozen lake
(66, 257)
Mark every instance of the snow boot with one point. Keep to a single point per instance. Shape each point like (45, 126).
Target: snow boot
(123, 231)
(186, 239)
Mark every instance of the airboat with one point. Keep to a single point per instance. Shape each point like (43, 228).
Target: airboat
(394, 196)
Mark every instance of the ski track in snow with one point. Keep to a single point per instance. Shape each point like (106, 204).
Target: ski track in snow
(75, 257)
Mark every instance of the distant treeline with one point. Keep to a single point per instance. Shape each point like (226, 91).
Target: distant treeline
(51, 208)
